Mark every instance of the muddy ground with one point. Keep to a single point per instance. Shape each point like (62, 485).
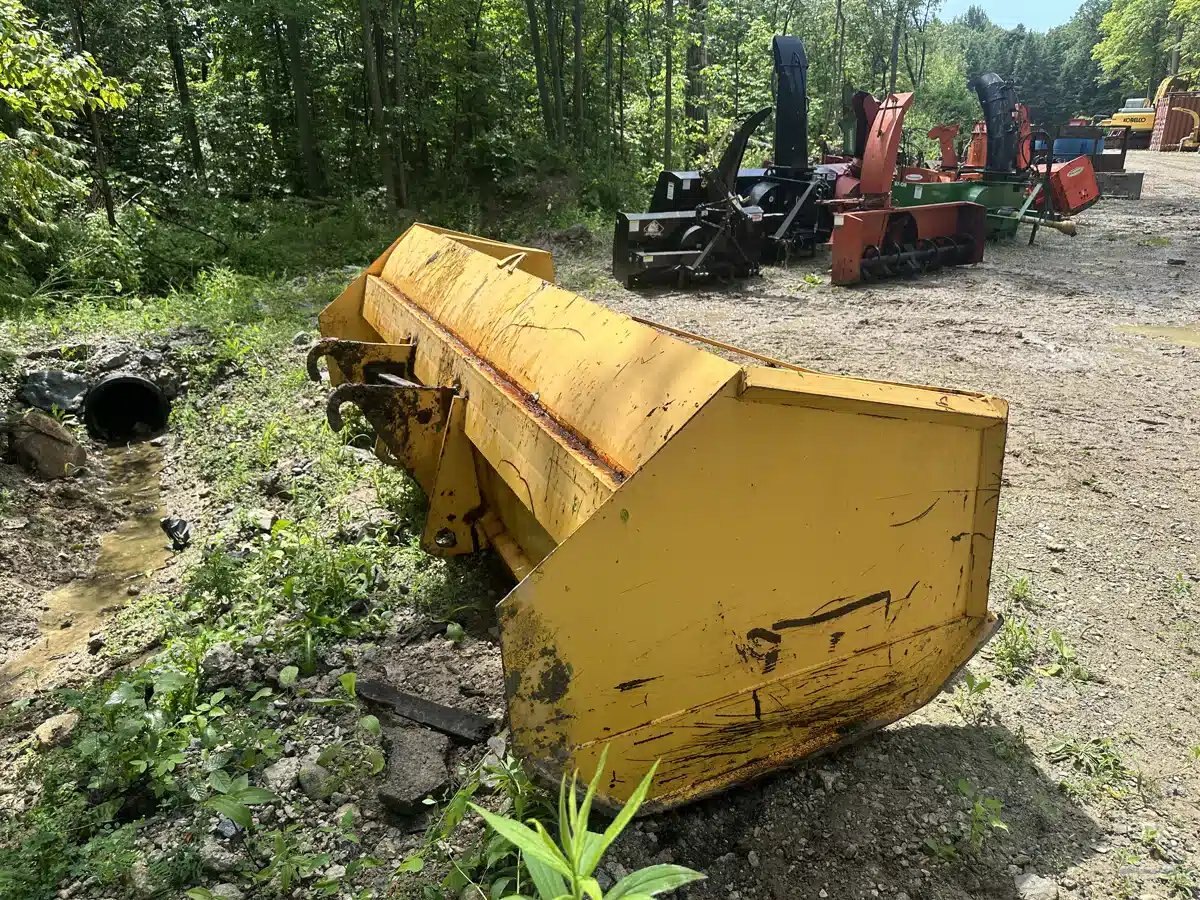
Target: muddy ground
(1098, 518)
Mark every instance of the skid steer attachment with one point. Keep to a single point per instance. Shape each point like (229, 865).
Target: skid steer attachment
(723, 567)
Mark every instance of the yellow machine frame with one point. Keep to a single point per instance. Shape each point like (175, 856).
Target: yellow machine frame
(724, 567)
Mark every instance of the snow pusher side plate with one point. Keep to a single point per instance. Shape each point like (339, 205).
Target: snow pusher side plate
(724, 567)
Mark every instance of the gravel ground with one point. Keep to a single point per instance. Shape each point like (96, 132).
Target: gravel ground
(1099, 512)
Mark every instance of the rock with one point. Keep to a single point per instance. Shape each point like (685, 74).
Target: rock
(95, 644)
(416, 768)
(1176, 261)
(115, 361)
(216, 857)
(226, 828)
(315, 780)
(55, 730)
(301, 339)
(45, 446)
(52, 388)
(282, 775)
(220, 666)
(226, 891)
(263, 519)
(151, 359)
(1035, 887)
(752, 859)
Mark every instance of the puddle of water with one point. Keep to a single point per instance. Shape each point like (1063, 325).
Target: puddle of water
(128, 555)
(1188, 336)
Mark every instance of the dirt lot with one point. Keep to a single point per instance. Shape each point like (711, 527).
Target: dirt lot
(1099, 513)
(1092, 749)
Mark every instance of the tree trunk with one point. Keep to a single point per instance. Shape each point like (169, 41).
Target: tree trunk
(376, 131)
(577, 72)
(610, 116)
(556, 69)
(621, 76)
(694, 107)
(314, 175)
(191, 135)
(539, 69)
(94, 124)
(668, 148)
(894, 61)
(398, 101)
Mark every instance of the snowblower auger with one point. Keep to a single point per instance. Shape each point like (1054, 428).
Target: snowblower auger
(723, 567)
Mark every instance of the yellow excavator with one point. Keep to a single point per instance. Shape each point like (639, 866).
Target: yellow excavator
(1138, 112)
(722, 565)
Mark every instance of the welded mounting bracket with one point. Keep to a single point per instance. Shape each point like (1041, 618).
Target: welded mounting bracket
(360, 361)
(423, 430)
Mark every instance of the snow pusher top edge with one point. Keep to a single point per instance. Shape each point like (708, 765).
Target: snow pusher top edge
(722, 567)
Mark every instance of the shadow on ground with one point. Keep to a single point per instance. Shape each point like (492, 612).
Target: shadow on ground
(855, 824)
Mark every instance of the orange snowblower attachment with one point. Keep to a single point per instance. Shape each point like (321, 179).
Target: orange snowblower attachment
(872, 239)
(724, 567)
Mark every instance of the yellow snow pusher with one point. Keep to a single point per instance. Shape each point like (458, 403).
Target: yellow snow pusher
(723, 567)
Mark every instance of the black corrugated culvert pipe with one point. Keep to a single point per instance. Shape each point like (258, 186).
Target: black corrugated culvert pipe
(122, 409)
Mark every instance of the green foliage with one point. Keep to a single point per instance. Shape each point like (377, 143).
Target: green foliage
(1020, 591)
(969, 698)
(42, 89)
(564, 868)
(1065, 660)
(1095, 763)
(1014, 648)
(984, 816)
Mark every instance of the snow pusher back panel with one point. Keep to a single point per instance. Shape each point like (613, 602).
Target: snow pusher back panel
(723, 567)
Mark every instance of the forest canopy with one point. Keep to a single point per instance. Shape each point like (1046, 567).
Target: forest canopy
(138, 136)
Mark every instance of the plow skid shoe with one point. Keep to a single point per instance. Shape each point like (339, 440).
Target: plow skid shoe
(723, 567)
(896, 241)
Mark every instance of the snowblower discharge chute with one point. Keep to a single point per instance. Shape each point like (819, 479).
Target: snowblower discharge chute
(723, 567)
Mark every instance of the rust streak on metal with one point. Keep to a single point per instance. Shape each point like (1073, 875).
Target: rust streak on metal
(564, 432)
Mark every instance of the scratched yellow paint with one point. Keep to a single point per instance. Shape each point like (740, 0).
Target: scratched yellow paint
(723, 567)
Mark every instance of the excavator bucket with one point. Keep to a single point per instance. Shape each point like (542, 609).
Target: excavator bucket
(724, 567)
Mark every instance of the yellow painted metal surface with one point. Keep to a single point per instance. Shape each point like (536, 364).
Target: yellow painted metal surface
(723, 567)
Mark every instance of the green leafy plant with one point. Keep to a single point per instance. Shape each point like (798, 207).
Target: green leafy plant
(564, 868)
(1020, 591)
(969, 698)
(287, 860)
(1014, 648)
(1065, 662)
(235, 796)
(984, 816)
(1095, 763)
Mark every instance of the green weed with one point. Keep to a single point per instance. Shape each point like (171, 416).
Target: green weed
(1095, 763)
(1014, 649)
(969, 698)
(984, 816)
(565, 868)
(1020, 591)
(1065, 662)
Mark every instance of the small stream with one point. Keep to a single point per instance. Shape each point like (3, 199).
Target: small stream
(128, 556)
